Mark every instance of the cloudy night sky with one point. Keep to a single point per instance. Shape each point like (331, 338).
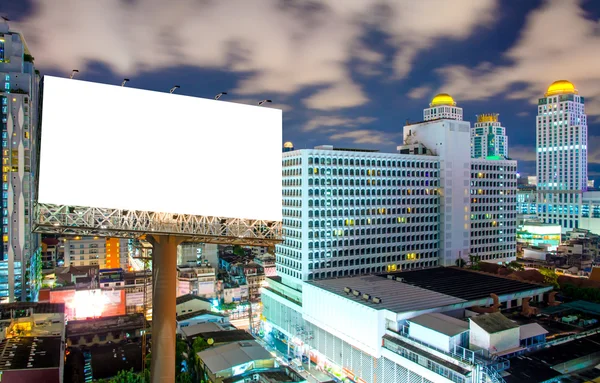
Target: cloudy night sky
(345, 72)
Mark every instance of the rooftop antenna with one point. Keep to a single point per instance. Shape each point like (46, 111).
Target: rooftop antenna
(73, 73)
(125, 80)
(263, 102)
(218, 96)
(173, 89)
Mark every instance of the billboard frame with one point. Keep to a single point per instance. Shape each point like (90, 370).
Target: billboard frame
(101, 222)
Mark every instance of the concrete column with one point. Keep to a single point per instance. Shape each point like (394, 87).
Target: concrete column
(164, 309)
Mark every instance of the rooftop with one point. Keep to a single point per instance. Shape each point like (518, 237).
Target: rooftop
(581, 306)
(194, 314)
(92, 326)
(494, 322)
(464, 284)
(226, 336)
(38, 308)
(395, 296)
(189, 297)
(538, 366)
(193, 330)
(229, 355)
(30, 352)
(283, 374)
(441, 323)
(530, 330)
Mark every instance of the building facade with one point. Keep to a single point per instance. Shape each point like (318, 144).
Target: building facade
(357, 212)
(351, 213)
(561, 155)
(488, 138)
(106, 253)
(494, 209)
(20, 257)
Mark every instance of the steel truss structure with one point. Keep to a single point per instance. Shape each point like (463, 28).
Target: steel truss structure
(92, 221)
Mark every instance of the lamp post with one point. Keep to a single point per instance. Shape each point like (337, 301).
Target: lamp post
(73, 72)
(173, 89)
(218, 96)
(125, 80)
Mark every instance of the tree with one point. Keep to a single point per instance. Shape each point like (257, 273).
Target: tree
(514, 266)
(474, 262)
(181, 353)
(239, 251)
(550, 277)
(199, 345)
(129, 376)
(460, 262)
(28, 58)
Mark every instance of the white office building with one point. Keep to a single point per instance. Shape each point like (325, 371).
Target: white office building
(350, 213)
(488, 138)
(357, 212)
(494, 210)
(21, 252)
(561, 155)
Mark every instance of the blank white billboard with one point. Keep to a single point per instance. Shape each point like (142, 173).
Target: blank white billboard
(123, 148)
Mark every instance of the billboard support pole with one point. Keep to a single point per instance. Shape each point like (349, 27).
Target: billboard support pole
(164, 308)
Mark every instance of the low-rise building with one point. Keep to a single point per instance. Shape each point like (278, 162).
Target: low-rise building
(197, 280)
(100, 331)
(32, 342)
(232, 359)
(105, 253)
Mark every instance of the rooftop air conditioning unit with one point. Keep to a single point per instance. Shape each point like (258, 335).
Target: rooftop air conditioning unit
(390, 276)
(347, 290)
(356, 293)
(377, 300)
(366, 297)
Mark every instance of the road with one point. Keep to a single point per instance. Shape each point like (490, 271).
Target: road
(311, 374)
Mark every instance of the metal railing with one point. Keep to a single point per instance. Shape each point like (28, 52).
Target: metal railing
(488, 365)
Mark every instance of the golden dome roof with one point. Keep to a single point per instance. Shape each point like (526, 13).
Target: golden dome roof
(288, 145)
(561, 87)
(442, 99)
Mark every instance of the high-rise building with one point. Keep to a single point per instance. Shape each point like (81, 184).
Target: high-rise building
(493, 210)
(442, 106)
(357, 212)
(20, 255)
(561, 154)
(351, 214)
(488, 138)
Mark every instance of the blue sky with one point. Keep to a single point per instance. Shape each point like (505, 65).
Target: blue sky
(345, 72)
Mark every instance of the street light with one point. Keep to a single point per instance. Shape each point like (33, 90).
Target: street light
(173, 89)
(218, 96)
(125, 80)
(263, 102)
(73, 73)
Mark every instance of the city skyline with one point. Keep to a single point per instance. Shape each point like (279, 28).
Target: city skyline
(339, 81)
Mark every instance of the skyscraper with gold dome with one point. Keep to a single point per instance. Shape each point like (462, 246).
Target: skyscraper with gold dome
(442, 106)
(561, 137)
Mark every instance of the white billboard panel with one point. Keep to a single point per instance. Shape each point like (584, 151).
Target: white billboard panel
(123, 148)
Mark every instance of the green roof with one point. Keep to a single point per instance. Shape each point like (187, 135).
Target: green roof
(581, 306)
